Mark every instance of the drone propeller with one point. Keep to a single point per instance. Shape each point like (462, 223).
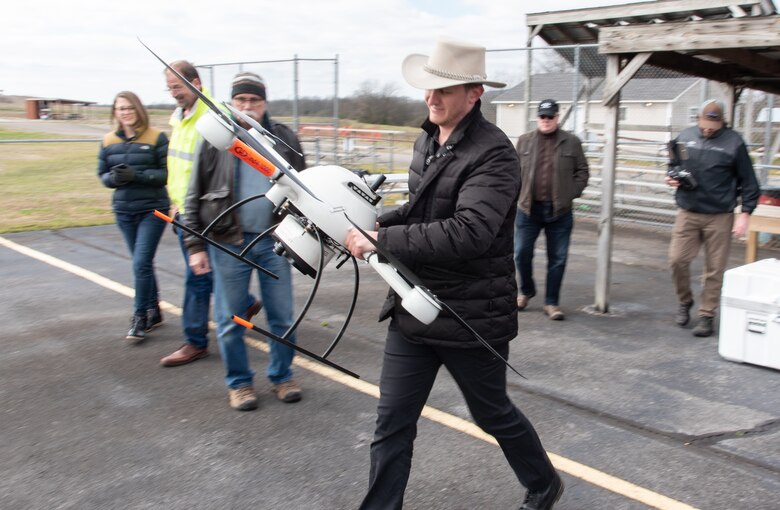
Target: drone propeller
(239, 132)
(258, 127)
(246, 118)
(190, 86)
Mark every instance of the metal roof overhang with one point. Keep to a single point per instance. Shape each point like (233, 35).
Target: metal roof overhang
(731, 41)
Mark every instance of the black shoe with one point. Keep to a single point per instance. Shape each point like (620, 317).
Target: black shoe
(683, 314)
(137, 331)
(546, 499)
(704, 326)
(153, 318)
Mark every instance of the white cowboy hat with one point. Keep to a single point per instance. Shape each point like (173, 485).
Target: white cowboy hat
(452, 62)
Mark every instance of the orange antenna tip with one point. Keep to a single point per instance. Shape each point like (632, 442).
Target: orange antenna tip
(245, 323)
(163, 216)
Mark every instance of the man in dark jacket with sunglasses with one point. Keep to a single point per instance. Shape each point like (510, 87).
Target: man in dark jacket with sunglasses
(554, 172)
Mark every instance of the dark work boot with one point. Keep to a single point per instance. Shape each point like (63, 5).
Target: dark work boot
(546, 499)
(137, 331)
(704, 326)
(153, 318)
(683, 314)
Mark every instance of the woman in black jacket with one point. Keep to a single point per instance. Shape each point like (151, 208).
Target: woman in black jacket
(132, 160)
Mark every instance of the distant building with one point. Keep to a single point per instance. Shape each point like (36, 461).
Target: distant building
(651, 109)
(56, 108)
(488, 107)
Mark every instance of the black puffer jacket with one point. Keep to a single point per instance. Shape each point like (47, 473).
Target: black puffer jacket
(147, 155)
(456, 233)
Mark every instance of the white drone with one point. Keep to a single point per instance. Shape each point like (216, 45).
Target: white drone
(320, 207)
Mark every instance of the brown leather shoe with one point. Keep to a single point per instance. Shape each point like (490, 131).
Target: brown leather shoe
(553, 312)
(522, 302)
(187, 353)
(253, 310)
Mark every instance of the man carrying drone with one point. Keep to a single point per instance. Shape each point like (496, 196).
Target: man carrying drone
(456, 235)
(218, 181)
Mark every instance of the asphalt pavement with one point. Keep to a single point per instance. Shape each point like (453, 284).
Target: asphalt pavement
(635, 411)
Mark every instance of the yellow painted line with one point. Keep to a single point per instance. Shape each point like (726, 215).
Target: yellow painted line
(568, 466)
(83, 273)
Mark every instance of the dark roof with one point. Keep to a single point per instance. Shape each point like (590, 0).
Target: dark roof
(581, 26)
(488, 106)
(731, 41)
(59, 100)
(559, 86)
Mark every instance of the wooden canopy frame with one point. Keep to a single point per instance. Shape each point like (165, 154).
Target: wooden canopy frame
(735, 42)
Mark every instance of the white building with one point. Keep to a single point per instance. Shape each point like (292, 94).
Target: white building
(651, 109)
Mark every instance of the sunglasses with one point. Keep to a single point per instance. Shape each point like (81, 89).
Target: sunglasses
(546, 117)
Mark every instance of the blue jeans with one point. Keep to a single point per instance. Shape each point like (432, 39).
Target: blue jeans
(197, 296)
(142, 233)
(231, 290)
(557, 232)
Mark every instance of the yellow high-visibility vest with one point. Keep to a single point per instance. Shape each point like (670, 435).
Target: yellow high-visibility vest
(181, 151)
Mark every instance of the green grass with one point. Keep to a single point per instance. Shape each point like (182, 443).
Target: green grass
(50, 185)
(27, 135)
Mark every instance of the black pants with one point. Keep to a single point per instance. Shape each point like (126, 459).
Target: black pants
(408, 373)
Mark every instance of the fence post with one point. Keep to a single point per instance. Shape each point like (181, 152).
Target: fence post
(336, 110)
(392, 151)
(527, 89)
(295, 93)
(604, 259)
(575, 91)
(768, 145)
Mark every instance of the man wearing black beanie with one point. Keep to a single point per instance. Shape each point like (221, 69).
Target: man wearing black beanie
(218, 181)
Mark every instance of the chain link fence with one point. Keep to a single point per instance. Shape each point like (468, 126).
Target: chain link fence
(655, 105)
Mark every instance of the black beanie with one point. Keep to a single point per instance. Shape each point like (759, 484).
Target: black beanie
(248, 83)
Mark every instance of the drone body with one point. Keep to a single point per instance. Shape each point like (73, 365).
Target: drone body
(329, 199)
(322, 205)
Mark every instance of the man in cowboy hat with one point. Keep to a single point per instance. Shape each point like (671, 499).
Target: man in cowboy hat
(722, 171)
(456, 235)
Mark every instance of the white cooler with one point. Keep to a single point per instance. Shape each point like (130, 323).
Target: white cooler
(750, 314)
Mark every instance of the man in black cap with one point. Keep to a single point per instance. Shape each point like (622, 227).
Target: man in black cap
(218, 181)
(554, 172)
(721, 171)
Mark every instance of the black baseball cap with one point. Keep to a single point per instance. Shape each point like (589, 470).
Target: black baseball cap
(548, 107)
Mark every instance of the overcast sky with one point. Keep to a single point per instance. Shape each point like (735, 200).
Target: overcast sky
(88, 49)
